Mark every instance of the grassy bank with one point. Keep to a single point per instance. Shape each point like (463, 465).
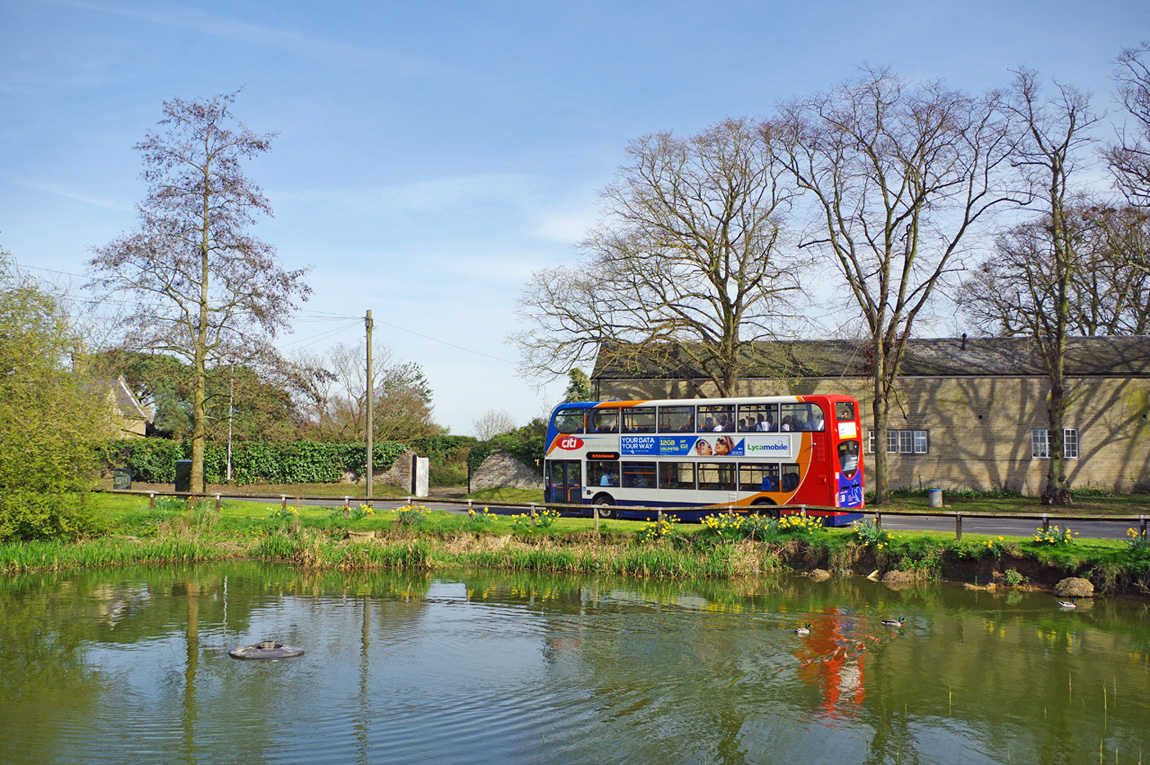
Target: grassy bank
(419, 539)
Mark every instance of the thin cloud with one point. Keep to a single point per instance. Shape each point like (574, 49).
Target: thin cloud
(67, 192)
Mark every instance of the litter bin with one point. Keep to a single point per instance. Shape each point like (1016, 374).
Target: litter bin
(122, 479)
(183, 475)
(935, 497)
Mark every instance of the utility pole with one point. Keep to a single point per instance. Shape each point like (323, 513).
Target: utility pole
(370, 388)
(231, 402)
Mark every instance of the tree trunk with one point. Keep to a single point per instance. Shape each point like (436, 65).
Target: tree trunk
(879, 409)
(1057, 489)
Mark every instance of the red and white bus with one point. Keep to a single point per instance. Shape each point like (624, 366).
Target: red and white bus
(757, 455)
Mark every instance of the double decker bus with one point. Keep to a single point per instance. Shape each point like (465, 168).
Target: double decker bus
(753, 455)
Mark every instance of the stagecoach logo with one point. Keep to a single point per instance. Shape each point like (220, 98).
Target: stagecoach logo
(570, 443)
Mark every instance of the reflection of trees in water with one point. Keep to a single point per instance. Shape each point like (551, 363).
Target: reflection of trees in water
(698, 670)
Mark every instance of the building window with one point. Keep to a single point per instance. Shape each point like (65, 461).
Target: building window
(902, 441)
(1040, 444)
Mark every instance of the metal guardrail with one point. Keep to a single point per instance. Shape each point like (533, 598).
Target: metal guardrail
(568, 509)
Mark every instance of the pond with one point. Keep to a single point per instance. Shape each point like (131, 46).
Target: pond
(132, 665)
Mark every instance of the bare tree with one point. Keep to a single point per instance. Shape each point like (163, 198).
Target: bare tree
(686, 271)
(1129, 158)
(1017, 287)
(899, 177)
(205, 290)
(494, 422)
(1054, 139)
(336, 400)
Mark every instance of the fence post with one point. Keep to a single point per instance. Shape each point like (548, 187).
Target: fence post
(470, 507)
(958, 527)
(151, 500)
(346, 509)
(217, 504)
(1142, 525)
(595, 512)
(659, 517)
(532, 515)
(877, 520)
(1045, 523)
(283, 502)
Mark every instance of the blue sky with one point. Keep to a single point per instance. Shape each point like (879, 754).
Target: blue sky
(431, 155)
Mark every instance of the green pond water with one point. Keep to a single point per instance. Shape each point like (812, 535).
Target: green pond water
(132, 665)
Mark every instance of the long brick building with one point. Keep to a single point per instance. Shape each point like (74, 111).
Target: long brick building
(970, 413)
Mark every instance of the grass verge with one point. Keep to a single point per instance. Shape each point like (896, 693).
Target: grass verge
(177, 531)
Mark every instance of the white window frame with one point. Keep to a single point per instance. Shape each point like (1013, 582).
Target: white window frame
(1040, 443)
(902, 441)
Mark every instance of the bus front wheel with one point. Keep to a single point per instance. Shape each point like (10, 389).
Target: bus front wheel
(605, 503)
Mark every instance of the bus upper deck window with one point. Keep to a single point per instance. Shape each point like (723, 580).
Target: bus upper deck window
(716, 418)
(605, 421)
(569, 420)
(676, 419)
(639, 420)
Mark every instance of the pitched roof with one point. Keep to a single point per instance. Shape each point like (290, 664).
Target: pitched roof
(935, 357)
(126, 401)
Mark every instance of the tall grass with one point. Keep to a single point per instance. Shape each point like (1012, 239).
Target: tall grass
(35, 557)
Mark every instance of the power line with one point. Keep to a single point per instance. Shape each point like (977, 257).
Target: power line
(444, 342)
(304, 342)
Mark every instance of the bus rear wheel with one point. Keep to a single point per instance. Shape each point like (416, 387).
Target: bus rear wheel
(605, 503)
(767, 507)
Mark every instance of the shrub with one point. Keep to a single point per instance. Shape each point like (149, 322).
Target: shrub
(1137, 546)
(869, 534)
(543, 519)
(801, 525)
(1054, 536)
(153, 460)
(724, 527)
(654, 530)
(34, 515)
(353, 513)
(411, 516)
(477, 521)
(1013, 578)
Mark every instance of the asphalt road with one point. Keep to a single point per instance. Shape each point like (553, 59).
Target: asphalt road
(970, 525)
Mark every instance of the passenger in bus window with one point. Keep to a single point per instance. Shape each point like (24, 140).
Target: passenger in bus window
(743, 425)
(788, 423)
(609, 476)
(819, 424)
(708, 425)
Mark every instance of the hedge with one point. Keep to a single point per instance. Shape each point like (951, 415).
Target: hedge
(153, 460)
